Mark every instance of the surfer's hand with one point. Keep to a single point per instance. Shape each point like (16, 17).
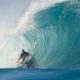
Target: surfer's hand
(30, 54)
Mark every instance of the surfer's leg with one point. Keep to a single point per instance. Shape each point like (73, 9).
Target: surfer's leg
(23, 59)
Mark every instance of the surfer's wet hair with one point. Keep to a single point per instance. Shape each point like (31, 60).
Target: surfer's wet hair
(23, 50)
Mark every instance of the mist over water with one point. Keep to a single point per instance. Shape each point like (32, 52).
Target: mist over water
(51, 32)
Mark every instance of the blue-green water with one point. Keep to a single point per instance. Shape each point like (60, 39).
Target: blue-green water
(39, 74)
(57, 36)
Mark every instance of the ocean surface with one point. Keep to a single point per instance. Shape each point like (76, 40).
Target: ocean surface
(39, 74)
(50, 31)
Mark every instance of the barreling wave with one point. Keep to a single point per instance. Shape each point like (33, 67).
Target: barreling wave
(51, 32)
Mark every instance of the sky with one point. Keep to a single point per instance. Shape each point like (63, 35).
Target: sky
(11, 12)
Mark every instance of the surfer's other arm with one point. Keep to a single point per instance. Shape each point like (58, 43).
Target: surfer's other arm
(30, 55)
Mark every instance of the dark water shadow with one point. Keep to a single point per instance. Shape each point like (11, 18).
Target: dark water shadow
(32, 63)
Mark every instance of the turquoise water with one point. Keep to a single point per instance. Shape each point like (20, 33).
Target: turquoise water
(57, 36)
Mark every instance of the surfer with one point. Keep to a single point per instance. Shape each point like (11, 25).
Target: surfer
(23, 56)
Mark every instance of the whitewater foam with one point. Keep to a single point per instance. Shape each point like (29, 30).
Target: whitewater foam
(27, 23)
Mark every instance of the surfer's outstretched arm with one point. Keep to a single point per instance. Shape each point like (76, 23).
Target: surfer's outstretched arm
(18, 59)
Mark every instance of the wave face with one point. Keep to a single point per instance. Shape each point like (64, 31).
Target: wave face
(51, 34)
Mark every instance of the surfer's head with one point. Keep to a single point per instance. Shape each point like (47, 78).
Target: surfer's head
(22, 50)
